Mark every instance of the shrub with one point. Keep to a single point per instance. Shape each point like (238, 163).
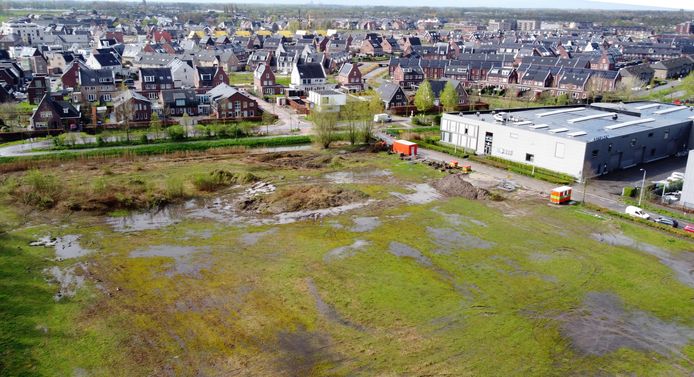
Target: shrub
(629, 191)
(176, 133)
(144, 139)
(39, 189)
(174, 188)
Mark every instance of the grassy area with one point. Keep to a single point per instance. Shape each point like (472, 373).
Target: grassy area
(283, 80)
(488, 288)
(241, 78)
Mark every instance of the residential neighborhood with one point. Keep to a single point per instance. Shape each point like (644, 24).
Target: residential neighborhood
(333, 188)
(88, 58)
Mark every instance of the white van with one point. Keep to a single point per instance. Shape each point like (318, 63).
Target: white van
(637, 212)
(382, 118)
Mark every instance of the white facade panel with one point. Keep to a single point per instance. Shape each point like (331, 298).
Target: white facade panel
(687, 198)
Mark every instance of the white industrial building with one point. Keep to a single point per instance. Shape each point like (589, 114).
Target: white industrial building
(687, 198)
(599, 138)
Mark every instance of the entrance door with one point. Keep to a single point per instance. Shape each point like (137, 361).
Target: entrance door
(488, 139)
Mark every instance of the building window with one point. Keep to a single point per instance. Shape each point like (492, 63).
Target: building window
(107, 97)
(149, 78)
(595, 153)
(650, 134)
(91, 97)
(529, 157)
(180, 102)
(666, 134)
(633, 142)
(609, 147)
(652, 152)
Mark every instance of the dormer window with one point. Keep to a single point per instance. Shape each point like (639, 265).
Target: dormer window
(149, 78)
(65, 110)
(206, 76)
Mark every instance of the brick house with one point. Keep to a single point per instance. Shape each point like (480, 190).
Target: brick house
(209, 77)
(350, 77)
(264, 81)
(152, 81)
(408, 75)
(53, 114)
(37, 88)
(137, 106)
(227, 102)
(392, 95)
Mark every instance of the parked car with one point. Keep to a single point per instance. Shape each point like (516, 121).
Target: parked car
(382, 118)
(689, 228)
(637, 212)
(667, 221)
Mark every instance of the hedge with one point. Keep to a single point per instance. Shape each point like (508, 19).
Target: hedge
(154, 149)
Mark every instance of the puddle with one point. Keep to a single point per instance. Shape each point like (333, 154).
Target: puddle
(68, 279)
(456, 219)
(188, 260)
(343, 177)
(423, 193)
(290, 217)
(139, 221)
(222, 210)
(335, 224)
(66, 247)
(345, 251)
(402, 250)
(602, 325)
(449, 240)
(327, 310)
(202, 234)
(365, 224)
(250, 239)
(301, 352)
(682, 265)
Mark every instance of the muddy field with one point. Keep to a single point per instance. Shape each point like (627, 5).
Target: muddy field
(306, 263)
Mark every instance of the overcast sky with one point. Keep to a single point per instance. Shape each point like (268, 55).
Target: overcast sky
(570, 4)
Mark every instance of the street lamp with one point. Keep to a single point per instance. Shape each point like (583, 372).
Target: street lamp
(643, 183)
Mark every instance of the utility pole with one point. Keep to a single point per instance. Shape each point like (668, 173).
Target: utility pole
(643, 183)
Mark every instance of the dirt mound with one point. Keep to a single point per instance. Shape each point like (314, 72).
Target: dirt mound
(299, 198)
(295, 160)
(456, 185)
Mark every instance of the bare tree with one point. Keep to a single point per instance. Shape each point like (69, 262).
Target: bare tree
(326, 125)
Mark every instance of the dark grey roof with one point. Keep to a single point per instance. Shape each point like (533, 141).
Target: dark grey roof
(161, 75)
(310, 71)
(107, 60)
(91, 77)
(169, 97)
(387, 90)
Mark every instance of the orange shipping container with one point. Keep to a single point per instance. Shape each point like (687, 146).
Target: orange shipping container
(405, 147)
